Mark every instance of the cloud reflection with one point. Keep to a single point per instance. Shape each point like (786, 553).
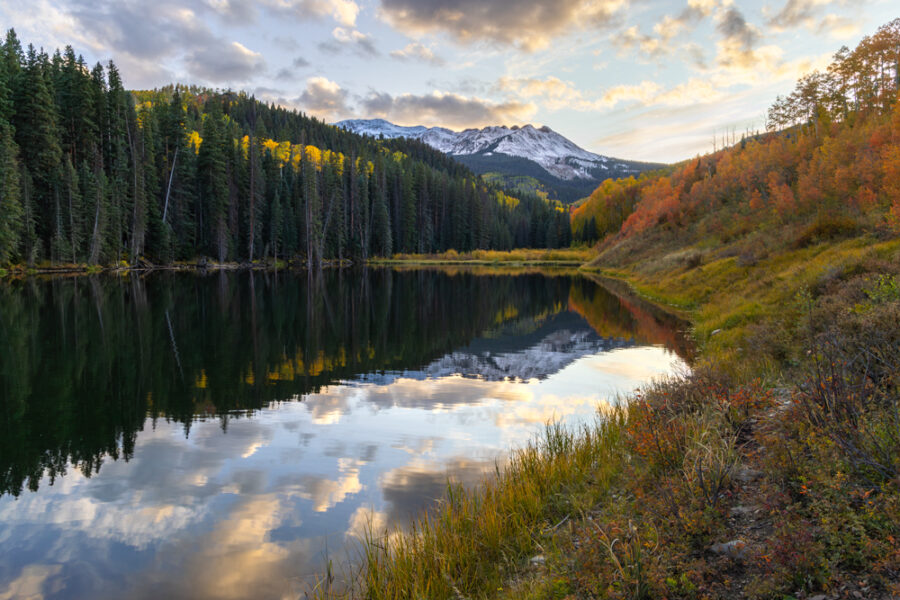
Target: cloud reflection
(245, 511)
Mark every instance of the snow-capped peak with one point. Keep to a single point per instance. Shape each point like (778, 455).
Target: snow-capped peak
(558, 155)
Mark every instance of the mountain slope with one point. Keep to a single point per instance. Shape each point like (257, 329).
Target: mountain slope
(569, 171)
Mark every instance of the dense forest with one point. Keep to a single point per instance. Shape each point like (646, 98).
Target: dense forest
(831, 156)
(92, 173)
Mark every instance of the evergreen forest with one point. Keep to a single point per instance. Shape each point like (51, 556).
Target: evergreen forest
(91, 173)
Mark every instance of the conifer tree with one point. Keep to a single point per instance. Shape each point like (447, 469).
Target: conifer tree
(38, 139)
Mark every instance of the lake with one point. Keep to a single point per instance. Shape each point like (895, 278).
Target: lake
(224, 435)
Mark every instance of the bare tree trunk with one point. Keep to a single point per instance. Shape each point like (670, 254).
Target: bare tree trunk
(169, 188)
(95, 236)
(252, 158)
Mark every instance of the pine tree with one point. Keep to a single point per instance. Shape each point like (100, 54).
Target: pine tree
(10, 196)
(211, 170)
(38, 139)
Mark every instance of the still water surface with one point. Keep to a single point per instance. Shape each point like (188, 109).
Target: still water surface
(221, 436)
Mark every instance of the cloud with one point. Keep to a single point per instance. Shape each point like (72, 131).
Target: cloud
(838, 27)
(558, 94)
(806, 13)
(796, 13)
(416, 51)
(233, 11)
(343, 11)
(555, 92)
(291, 72)
(446, 109)
(144, 42)
(349, 39)
(666, 29)
(734, 28)
(526, 24)
(233, 62)
(324, 98)
(633, 38)
(739, 58)
(644, 93)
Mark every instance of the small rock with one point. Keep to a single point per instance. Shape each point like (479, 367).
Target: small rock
(818, 597)
(857, 594)
(742, 511)
(537, 561)
(734, 548)
(715, 332)
(747, 475)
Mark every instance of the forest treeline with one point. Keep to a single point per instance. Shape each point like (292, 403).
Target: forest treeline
(832, 154)
(92, 173)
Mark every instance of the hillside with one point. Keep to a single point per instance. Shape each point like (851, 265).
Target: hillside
(568, 171)
(772, 469)
(92, 174)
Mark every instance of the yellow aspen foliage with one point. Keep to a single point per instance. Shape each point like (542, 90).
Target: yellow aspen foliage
(282, 153)
(270, 145)
(314, 155)
(194, 141)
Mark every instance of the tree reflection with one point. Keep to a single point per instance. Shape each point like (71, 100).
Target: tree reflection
(85, 361)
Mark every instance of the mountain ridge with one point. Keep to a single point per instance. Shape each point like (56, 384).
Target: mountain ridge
(557, 162)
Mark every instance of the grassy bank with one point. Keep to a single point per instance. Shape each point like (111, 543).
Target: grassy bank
(524, 256)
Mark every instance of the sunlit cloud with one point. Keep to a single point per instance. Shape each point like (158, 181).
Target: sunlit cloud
(324, 98)
(344, 12)
(351, 40)
(446, 109)
(838, 27)
(417, 52)
(526, 24)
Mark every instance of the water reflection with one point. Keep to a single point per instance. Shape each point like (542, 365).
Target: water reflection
(128, 466)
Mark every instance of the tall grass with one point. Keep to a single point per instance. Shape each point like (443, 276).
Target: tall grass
(475, 539)
(523, 255)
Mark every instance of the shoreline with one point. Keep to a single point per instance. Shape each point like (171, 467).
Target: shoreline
(478, 258)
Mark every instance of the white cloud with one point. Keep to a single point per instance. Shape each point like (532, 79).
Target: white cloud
(416, 51)
(324, 98)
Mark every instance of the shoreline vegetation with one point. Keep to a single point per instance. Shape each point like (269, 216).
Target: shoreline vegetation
(568, 257)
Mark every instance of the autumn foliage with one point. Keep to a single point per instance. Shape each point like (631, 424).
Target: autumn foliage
(833, 149)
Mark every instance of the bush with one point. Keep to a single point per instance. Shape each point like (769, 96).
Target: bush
(827, 228)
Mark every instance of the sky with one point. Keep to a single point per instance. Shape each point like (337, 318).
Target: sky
(636, 79)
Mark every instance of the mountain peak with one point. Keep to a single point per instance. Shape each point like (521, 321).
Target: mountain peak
(559, 156)
(512, 150)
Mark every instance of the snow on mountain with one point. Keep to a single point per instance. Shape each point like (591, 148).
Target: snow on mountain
(377, 127)
(558, 155)
(550, 355)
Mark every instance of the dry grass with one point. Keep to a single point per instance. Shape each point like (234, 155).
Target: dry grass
(525, 256)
